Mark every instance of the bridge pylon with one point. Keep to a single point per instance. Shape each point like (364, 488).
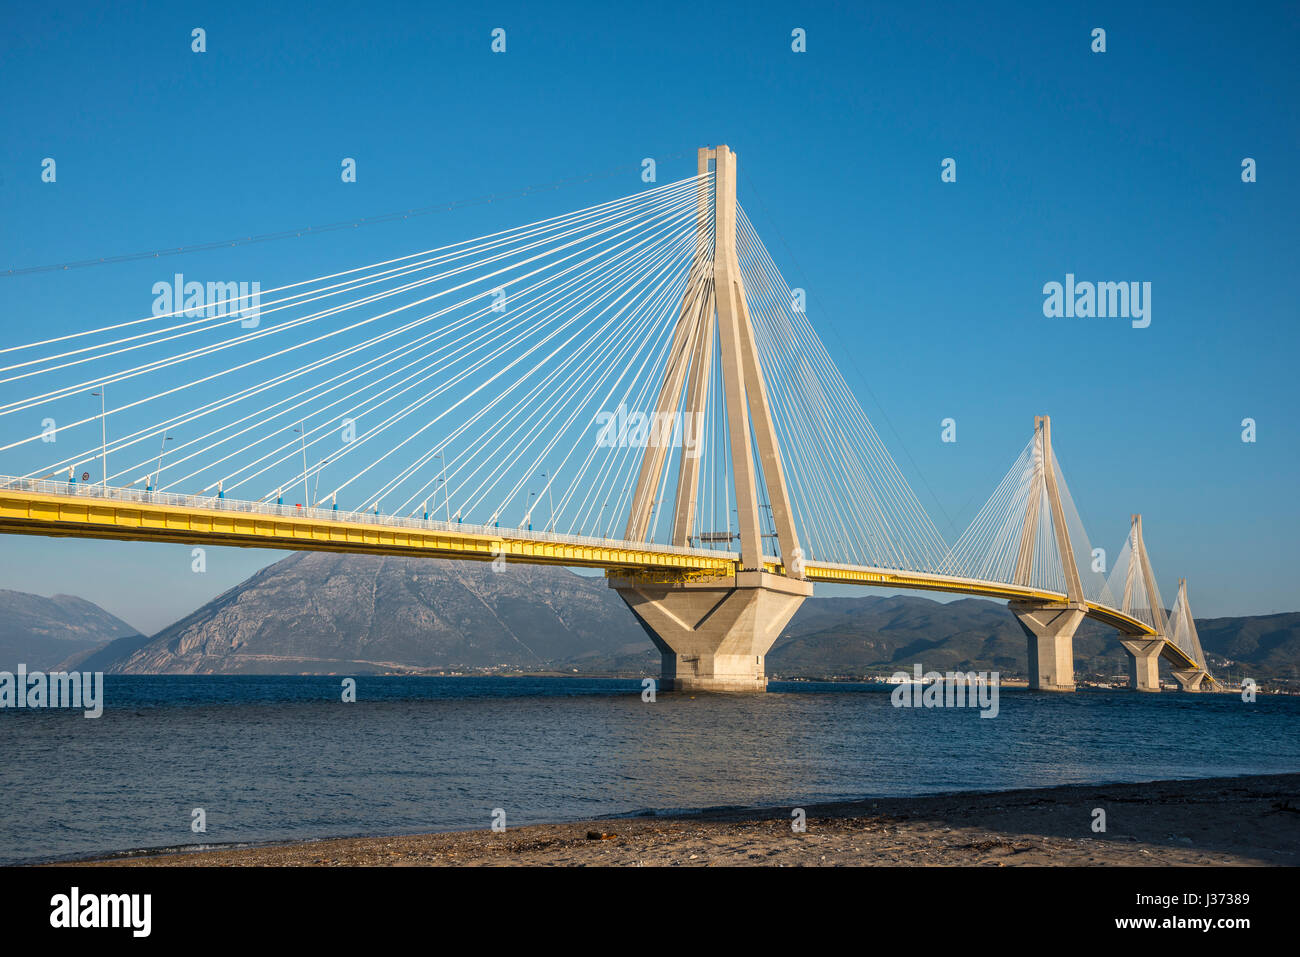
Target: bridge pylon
(1144, 651)
(1143, 662)
(1048, 626)
(1182, 633)
(714, 634)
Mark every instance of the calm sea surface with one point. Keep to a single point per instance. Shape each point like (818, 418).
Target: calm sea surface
(283, 758)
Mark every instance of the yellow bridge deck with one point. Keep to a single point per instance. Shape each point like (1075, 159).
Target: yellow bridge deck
(37, 507)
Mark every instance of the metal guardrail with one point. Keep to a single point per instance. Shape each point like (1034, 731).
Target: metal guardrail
(219, 503)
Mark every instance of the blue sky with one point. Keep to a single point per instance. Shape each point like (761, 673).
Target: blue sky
(1119, 166)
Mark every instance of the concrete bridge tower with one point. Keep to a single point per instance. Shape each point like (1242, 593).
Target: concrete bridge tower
(713, 634)
(1143, 650)
(1049, 626)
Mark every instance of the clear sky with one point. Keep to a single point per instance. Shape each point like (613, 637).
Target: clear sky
(1117, 166)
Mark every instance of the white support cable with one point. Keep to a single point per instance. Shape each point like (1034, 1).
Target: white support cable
(174, 390)
(241, 340)
(271, 330)
(970, 556)
(923, 547)
(797, 405)
(510, 495)
(631, 245)
(500, 373)
(806, 475)
(633, 198)
(666, 307)
(560, 393)
(500, 350)
(777, 282)
(356, 411)
(621, 466)
(636, 334)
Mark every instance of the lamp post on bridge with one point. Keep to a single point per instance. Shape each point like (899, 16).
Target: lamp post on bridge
(306, 493)
(446, 492)
(157, 475)
(103, 435)
(550, 526)
(315, 492)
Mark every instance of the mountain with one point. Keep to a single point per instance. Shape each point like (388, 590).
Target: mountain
(43, 632)
(853, 635)
(326, 613)
(873, 633)
(1269, 644)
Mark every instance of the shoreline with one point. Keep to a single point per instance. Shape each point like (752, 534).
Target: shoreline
(1244, 821)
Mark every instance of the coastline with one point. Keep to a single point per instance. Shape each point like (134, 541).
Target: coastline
(1241, 821)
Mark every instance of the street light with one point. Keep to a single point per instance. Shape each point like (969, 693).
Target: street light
(446, 492)
(103, 435)
(445, 500)
(157, 476)
(302, 430)
(551, 525)
(315, 492)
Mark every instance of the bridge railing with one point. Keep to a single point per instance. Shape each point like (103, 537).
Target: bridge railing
(218, 503)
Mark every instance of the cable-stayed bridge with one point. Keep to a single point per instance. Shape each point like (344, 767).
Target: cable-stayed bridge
(632, 386)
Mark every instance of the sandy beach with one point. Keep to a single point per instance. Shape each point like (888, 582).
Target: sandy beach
(1221, 821)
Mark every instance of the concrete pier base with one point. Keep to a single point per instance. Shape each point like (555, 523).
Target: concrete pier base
(714, 635)
(1050, 629)
(1189, 680)
(1143, 662)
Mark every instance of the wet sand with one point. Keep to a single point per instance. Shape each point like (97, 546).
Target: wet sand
(1233, 821)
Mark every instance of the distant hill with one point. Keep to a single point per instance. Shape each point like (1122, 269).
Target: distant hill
(872, 634)
(851, 636)
(315, 613)
(1266, 644)
(43, 632)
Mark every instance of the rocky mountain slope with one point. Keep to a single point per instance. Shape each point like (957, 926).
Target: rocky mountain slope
(320, 612)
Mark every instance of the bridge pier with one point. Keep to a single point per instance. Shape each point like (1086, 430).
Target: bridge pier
(1143, 662)
(1050, 629)
(714, 635)
(1190, 680)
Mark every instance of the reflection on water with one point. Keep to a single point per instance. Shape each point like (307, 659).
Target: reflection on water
(274, 758)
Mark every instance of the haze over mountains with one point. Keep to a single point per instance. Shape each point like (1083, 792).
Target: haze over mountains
(315, 613)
